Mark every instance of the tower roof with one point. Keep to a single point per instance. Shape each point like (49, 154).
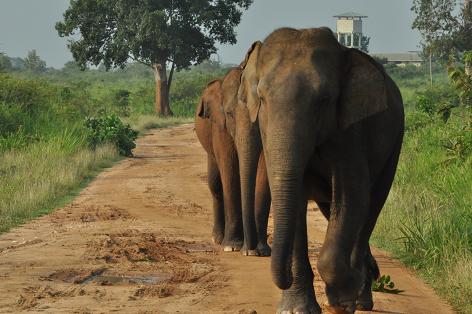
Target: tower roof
(351, 14)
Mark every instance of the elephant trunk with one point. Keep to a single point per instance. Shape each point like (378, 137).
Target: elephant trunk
(286, 188)
(249, 150)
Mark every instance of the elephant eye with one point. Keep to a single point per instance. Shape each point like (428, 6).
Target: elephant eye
(229, 114)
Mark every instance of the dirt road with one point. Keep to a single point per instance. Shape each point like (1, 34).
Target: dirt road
(137, 240)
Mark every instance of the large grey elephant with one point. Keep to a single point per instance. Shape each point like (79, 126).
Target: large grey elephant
(331, 122)
(223, 139)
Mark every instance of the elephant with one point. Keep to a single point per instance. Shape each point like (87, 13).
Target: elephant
(255, 193)
(331, 123)
(223, 173)
(223, 169)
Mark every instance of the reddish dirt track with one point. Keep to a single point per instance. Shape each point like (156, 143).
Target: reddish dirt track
(137, 240)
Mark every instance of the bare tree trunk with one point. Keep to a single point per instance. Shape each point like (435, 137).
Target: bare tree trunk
(162, 90)
(467, 65)
(431, 68)
(171, 75)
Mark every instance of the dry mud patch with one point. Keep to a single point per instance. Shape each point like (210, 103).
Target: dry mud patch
(76, 212)
(146, 264)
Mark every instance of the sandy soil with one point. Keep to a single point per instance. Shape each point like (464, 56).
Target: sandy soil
(137, 240)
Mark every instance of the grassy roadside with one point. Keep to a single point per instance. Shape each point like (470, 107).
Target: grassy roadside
(32, 180)
(48, 127)
(427, 221)
(45, 175)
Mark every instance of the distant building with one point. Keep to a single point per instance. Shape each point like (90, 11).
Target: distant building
(349, 29)
(401, 59)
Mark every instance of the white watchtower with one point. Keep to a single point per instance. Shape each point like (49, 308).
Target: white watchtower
(349, 29)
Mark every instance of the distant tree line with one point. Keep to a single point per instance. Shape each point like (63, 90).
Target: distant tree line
(32, 63)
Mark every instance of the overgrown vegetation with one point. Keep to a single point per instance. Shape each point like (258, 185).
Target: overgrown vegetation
(427, 221)
(110, 129)
(59, 127)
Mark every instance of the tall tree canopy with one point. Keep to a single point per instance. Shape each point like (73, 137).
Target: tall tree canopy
(163, 34)
(34, 63)
(445, 26)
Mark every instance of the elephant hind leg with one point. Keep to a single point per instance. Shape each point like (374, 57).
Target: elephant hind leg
(379, 194)
(216, 189)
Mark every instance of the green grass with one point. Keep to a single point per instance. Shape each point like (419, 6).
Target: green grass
(35, 178)
(427, 221)
(44, 155)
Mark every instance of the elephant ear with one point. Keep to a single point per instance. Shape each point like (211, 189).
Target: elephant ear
(201, 112)
(203, 108)
(365, 92)
(247, 92)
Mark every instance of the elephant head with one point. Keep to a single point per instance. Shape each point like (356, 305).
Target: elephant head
(210, 105)
(305, 88)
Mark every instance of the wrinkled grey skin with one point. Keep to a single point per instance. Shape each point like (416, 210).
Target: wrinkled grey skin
(331, 122)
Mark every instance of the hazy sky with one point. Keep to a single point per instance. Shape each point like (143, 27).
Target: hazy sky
(29, 24)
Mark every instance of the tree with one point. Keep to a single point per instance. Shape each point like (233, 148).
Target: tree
(445, 29)
(34, 63)
(365, 41)
(71, 67)
(5, 63)
(162, 34)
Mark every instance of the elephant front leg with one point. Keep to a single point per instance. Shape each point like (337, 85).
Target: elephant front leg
(365, 300)
(262, 208)
(216, 189)
(233, 233)
(349, 210)
(300, 297)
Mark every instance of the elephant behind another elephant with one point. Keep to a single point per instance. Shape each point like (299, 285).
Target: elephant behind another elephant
(222, 140)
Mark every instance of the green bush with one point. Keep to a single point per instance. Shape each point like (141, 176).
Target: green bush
(110, 129)
(433, 101)
(121, 101)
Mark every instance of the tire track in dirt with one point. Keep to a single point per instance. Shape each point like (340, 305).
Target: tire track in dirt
(137, 240)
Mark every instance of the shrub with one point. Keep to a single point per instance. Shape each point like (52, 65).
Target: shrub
(110, 129)
(437, 100)
(121, 100)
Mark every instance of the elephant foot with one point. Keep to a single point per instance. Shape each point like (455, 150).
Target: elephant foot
(299, 302)
(232, 245)
(262, 249)
(247, 252)
(364, 306)
(364, 301)
(217, 237)
(330, 309)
